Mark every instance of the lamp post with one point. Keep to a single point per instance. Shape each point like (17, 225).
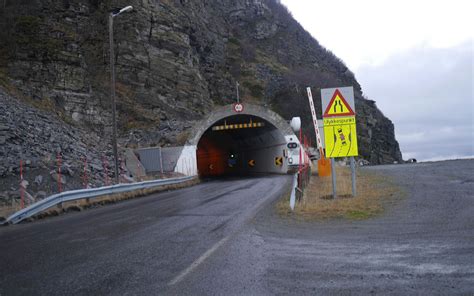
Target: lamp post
(112, 86)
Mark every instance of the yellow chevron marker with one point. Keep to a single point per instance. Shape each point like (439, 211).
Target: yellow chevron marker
(278, 161)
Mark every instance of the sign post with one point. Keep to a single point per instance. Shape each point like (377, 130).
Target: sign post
(237, 90)
(340, 135)
(354, 192)
(334, 181)
(237, 107)
(323, 169)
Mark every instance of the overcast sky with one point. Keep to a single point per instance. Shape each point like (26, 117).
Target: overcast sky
(414, 58)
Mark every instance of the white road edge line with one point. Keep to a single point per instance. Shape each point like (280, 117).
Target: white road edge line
(198, 261)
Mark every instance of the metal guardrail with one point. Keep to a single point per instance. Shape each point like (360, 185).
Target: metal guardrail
(73, 195)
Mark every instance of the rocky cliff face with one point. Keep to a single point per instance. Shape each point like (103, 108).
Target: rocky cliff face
(49, 153)
(175, 60)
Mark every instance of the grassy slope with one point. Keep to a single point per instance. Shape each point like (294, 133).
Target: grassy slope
(374, 194)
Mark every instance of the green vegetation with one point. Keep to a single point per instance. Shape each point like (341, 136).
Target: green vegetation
(27, 36)
(247, 73)
(256, 90)
(358, 215)
(234, 41)
(4, 79)
(134, 115)
(262, 58)
(27, 25)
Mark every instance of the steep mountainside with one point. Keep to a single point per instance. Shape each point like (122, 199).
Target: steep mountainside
(176, 60)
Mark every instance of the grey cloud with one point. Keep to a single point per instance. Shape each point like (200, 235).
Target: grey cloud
(428, 94)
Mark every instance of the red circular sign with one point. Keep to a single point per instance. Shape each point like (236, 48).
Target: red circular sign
(238, 107)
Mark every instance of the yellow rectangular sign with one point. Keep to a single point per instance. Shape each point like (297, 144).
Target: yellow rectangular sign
(340, 136)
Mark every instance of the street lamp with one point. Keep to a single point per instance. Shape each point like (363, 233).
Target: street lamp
(112, 85)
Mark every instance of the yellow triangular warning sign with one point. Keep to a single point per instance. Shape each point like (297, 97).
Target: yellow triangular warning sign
(338, 106)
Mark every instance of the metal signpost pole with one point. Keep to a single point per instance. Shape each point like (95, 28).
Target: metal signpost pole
(237, 88)
(333, 169)
(353, 171)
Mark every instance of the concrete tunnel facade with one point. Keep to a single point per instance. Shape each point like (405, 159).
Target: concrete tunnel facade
(238, 143)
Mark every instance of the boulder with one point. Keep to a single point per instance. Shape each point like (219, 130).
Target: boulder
(24, 184)
(38, 180)
(66, 169)
(55, 177)
(96, 167)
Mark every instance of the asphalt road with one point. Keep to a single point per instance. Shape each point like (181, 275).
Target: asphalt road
(224, 238)
(134, 247)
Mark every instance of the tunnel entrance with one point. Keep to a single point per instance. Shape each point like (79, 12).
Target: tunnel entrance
(241, 145)
(245, 141)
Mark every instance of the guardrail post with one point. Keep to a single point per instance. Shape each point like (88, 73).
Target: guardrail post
(122, 170)
(58, 158)
(85, 180)
(104, 165)
(22, 191)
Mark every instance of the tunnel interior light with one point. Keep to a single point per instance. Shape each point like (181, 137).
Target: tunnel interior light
(237, 126)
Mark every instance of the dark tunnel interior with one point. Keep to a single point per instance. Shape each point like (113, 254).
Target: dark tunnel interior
(239, 145)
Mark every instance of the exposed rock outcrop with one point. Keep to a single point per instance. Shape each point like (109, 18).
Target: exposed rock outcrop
(43, 143)
(175, 61)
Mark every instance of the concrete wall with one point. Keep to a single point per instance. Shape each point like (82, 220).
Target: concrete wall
(134, 166)
(152, 158)
(187, 162)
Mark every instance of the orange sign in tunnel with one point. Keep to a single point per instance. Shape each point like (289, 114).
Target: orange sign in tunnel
(211, 158)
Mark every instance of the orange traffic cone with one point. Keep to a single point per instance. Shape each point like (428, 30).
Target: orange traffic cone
(324, 167)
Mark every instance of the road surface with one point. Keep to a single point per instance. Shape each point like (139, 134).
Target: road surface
(225, 238)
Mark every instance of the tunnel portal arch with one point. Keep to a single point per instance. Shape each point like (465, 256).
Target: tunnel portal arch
(228, 111)
(241, 151)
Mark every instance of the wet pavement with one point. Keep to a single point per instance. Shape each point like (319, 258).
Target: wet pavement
(133, 247)
(421, 245)
(224, 238)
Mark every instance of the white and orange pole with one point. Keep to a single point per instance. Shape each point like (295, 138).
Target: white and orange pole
(315, 123)
(22, 194)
